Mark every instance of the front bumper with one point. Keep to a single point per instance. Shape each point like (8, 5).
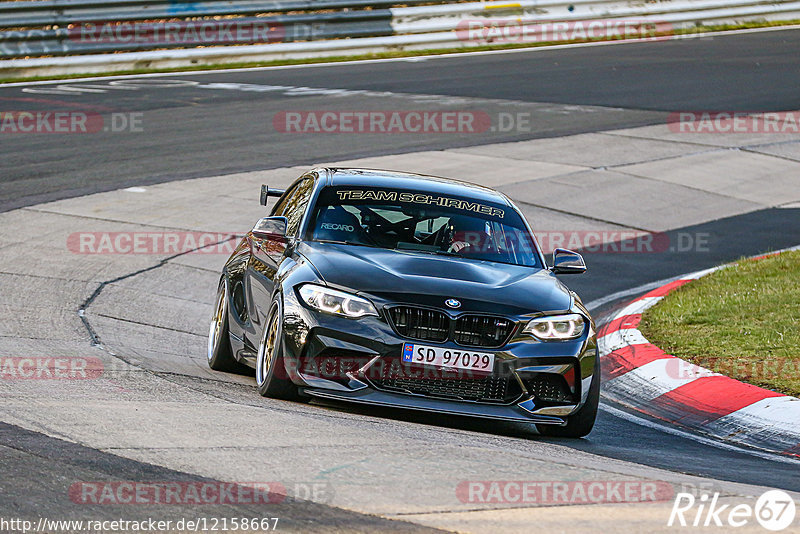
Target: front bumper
(349, 360)
(426, 404)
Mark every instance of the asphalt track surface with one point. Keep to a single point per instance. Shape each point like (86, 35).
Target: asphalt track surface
(204, 132)
(198, 131)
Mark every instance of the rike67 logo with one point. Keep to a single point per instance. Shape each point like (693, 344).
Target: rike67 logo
(774, 510)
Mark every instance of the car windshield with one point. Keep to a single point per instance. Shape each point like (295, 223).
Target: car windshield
(422, 222)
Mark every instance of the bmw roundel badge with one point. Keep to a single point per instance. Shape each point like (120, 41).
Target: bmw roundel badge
(452, 303)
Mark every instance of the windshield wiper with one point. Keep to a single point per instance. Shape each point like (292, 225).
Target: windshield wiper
(446, 253)
(428, 251)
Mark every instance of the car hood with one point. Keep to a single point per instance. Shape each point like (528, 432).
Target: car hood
(412, 277)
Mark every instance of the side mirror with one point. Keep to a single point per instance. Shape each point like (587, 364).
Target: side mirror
(270, 228)
(567, 262)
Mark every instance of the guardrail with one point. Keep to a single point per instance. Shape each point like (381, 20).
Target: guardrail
(170, 33)
(50, 12)
(57, 27)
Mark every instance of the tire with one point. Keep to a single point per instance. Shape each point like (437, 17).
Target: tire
(581, 423)
(270, 359)
(220, 356)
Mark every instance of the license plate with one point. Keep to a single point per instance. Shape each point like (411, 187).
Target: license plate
(444, 357)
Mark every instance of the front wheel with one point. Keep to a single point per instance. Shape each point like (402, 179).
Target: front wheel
(581, 423)
(270, 365)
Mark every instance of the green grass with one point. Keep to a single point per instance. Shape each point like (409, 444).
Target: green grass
(742, 321)
(387, 54)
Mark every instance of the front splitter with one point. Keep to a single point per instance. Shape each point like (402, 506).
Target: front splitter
(441, 406)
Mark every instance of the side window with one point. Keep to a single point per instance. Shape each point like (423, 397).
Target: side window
(293, 205)
(281, 205)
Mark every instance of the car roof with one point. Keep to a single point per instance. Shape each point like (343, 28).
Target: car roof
(413, 182)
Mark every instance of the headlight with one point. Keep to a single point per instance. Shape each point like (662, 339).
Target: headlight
(557, 327)
(336, 302)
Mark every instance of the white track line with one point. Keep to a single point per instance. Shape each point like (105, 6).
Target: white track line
(616, 412)
(596, 303)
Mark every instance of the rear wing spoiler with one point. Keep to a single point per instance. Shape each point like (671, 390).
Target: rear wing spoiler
(266, 192)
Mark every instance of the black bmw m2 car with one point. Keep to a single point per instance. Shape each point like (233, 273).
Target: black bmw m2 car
(408, 291)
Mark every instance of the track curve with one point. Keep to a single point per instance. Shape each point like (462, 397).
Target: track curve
(149, 311)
